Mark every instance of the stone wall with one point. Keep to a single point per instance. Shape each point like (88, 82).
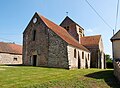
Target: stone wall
(78, 61)
(117, 69)
(6, 58)
(39, 46)
(72, 28)
(57, 51)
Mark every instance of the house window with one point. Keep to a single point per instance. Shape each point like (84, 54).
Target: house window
(14, 59)
(82, 55)
(34, 35)
(74, 53)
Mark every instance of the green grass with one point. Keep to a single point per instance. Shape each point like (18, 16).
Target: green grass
(38, 77)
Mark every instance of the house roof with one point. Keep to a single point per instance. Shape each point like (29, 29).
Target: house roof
(60, 31)
(10, 48)
(116, 36)
(90, 40)
(71, 20)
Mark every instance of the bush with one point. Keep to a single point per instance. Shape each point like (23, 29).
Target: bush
(109, 64)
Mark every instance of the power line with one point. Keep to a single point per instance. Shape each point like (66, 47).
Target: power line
(98, 14)
(117, 15)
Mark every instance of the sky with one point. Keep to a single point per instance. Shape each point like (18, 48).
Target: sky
(16, 14)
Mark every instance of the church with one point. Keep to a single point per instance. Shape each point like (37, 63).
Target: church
(47, 44)
(50, 45)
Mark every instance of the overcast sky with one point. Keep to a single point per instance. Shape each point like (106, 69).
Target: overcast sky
(16, 14)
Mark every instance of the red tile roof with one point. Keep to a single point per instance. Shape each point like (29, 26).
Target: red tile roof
(60, 31)
(90, 40)
(10, 48)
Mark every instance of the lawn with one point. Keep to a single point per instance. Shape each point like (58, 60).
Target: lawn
(38, 77)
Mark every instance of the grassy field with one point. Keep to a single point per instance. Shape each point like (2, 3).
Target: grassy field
(38, 77)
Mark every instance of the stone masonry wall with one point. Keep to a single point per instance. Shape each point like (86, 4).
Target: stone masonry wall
(72, 28)
(57, 51)
(37, 47)
(117, 70)
(10, 58)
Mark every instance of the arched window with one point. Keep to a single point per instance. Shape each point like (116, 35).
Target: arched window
(88, 57)
(67, 28)
(74, 53)
(82, 55)
(34, 35)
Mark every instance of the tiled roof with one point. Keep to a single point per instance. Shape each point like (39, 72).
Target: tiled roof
(10, 48)
(60, 31)
(90, 40)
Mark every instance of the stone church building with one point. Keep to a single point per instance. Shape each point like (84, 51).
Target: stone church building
(50, 45)
(93, 43)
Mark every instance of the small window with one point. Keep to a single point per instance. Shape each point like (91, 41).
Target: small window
(80, 30)
(34, 35)
(74, 53)
(14, 59)
(82, 55)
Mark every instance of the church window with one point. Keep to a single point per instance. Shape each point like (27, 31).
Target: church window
(67, 28)
(82, 55)
(88, 56)
(80, 30)
(34, 35)
(74, 53)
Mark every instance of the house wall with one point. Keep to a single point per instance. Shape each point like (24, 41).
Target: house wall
(116, 55)
(73, 62)
(6, 58)
(57, 56)
(116, 49)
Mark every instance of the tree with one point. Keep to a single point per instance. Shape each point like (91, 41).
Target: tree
(108, 57)
(109, 61)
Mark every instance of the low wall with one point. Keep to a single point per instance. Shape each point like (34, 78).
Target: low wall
(117, 69)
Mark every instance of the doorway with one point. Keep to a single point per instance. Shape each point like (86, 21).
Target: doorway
(34, 60)
(78, 61)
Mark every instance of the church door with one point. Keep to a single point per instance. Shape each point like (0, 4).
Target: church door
(34, 60)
